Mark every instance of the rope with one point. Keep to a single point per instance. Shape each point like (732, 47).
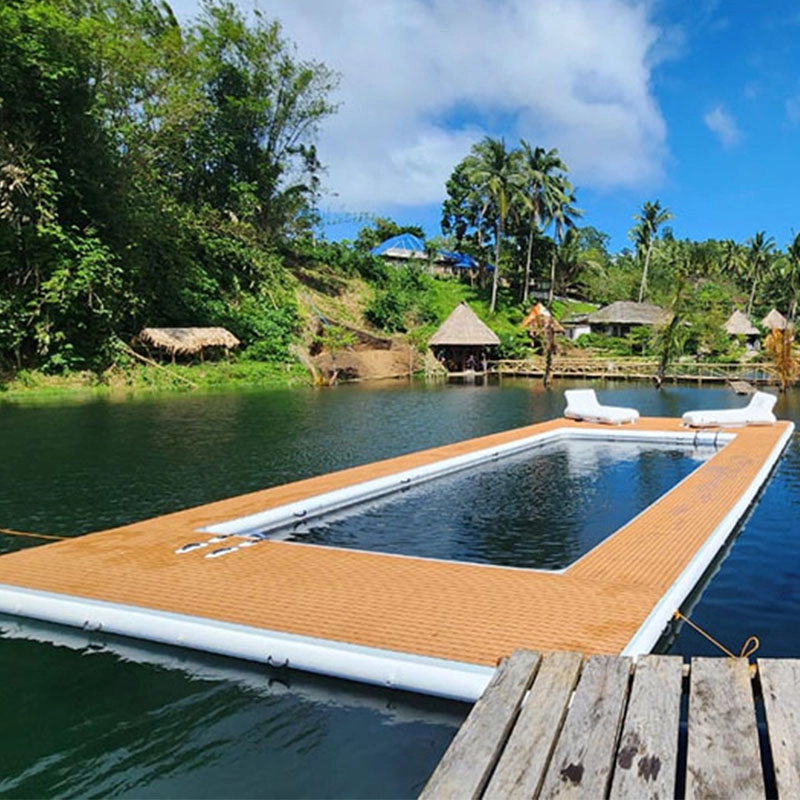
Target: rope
(751, 644)
(9, 532)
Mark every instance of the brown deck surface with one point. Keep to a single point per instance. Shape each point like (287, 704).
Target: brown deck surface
(457, 611)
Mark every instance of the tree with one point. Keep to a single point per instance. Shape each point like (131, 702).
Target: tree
(147, 171)
(791, 274)
(575, 261)
(648, 221)
(495, 172)
(758, 258)
(562, 214)
(782, 350)
(539, 167)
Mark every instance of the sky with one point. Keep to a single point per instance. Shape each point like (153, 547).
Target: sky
(695, 103)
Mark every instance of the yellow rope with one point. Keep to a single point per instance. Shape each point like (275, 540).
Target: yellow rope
(9, 532)
(751, 644)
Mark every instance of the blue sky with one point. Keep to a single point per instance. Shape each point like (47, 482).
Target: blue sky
(692, 102)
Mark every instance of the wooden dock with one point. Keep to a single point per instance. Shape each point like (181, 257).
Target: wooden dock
(560, 725)
(637, 368)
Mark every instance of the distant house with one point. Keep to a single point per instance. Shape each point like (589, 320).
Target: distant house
(401, 249)
(576, 325)
(462, 341)
(620, 318)
(406, 248)
(775, 321)
(739, 325)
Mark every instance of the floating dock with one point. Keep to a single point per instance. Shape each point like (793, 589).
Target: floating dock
(561, 726)
(197, 578)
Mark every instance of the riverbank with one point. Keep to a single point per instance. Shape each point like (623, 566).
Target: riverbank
(140, 379)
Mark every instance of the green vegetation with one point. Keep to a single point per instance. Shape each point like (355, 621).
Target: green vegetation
(165, 175)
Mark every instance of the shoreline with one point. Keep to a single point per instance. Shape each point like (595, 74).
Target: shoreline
(119, 384)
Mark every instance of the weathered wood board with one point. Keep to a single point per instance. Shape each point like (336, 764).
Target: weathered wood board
(584, 756)
(780, 686)
(647, 754)
(522, 766)
(723, 756)
(468, 762)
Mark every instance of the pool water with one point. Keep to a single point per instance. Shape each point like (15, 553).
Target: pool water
(543, 508)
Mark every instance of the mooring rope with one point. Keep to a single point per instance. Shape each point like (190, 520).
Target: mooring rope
(9, 532)
(751, 644)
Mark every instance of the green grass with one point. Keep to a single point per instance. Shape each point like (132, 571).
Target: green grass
(134, 380)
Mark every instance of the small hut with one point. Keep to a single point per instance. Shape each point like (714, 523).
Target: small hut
(539, 319)
(463, 342)
(738, 324)
(619, 318)
(187, 341)
(775, 321)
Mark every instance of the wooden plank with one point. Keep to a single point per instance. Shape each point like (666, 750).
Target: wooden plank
(647, 755)
(584, 756)
(468, 763)
(780, 685)
(723, 756)
(522, 766)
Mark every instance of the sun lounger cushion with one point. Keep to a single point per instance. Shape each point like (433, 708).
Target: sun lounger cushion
(757, 412)
(582, 404)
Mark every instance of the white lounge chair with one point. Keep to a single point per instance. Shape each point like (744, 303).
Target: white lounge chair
(582, 405)
(757, 412)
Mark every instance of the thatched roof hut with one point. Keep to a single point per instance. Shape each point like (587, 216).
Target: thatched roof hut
(463, 328)
(539, 319)
(739, 325)
(624, 312)
(187, 341)
(462, 341)
(775, 321)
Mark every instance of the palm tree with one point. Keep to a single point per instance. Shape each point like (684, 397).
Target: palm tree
(562, 214)
(792, 275)
(644, 234)
(497, 176)
(539, 166)
(733, 259)
(759, 256)
(575, 261)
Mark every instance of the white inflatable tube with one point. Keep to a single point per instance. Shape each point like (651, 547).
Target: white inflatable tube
(311, 507)
(451, 679)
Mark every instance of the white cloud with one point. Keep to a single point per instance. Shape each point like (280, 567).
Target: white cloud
(793, 109)
(422, 80)
(720, 122)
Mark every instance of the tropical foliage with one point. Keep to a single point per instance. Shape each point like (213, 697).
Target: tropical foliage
(149, 174)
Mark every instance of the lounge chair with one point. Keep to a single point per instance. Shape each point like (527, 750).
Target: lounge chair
(757, 412)
(582, 405)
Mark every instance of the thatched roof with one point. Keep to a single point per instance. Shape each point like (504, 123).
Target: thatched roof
(624, 312)
(463, 327)
(539, 318)
(187, 341)
(739, 325)
(775, 321)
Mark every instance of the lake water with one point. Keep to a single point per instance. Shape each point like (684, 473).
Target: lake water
(88, 716)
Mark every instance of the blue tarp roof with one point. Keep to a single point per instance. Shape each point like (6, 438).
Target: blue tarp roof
(461, 260)
(404, 241)
(413, 244)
